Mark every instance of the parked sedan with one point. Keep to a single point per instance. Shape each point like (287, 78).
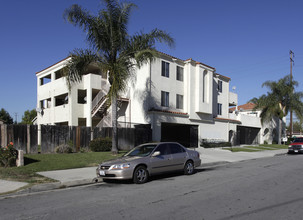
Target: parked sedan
(296, 146)
(150, 159)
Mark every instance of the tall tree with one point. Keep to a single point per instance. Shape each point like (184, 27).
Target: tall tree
(5, 117)
(28, 117)
(296, 126)
(280, 98)
(112, 48)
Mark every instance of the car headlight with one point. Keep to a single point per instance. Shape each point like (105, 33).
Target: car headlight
(120, 166)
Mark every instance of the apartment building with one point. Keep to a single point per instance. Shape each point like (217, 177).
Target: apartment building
(251, 130)
(182, 100)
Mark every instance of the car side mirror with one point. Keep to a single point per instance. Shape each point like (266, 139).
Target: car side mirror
(156, 153)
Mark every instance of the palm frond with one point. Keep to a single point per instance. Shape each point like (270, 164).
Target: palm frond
(78, 65)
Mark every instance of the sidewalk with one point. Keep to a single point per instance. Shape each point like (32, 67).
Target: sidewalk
(82, 176)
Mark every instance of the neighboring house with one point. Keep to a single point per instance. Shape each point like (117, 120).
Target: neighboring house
(182, 100)
(251, 129)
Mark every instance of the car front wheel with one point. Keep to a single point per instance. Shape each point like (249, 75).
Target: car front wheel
(140, 175)
(189, 168)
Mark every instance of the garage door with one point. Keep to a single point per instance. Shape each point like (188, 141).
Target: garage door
(186, 135)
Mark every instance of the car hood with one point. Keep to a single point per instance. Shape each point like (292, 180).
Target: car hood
(120, 160)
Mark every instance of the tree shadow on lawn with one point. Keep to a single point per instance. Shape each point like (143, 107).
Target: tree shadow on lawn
(28, 161)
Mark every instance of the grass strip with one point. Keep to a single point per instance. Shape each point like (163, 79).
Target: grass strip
(261, 147)
(240, 149)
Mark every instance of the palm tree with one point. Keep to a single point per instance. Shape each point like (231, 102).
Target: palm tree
(279, 100)
(111, 48)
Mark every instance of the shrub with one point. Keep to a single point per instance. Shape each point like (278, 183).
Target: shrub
(64, 149)
(8, 155)
(101, 144)
(265, 142)
(83, 150)
(207, 144)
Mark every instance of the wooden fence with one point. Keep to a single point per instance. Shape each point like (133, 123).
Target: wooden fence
(25, 137)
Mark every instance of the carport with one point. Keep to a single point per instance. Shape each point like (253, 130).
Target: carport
(185, 134)
(247, 135)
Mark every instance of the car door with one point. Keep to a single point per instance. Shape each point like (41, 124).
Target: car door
(162, 162)
(179, 156)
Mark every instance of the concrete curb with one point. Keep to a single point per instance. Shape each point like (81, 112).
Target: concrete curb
(62, 185)
(53, 186)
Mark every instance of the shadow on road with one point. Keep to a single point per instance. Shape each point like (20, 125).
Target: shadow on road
(160, 177)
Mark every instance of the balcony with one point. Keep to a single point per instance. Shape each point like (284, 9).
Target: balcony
(246, 120)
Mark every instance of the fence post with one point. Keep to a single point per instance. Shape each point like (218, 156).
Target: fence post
(20, 159)
(78, 138)
(28, 147)
(3, 135)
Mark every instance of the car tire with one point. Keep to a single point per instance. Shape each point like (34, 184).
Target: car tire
(189, 168)
(140, 175)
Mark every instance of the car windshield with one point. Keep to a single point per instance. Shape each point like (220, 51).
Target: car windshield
(141, 151)
(298, 140)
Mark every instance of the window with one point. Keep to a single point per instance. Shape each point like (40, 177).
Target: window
(179, 101)
(219, 109)
(59, 74)
(164, 99)
(204, 91)
(175, 149)
(165, 69)
(164, 149)
(46, 103)
(61, 99)
(179, 73)
(219, 85)
(45, 79)
(82, 96)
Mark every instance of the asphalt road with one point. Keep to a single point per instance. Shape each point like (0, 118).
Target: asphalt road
(268, 188)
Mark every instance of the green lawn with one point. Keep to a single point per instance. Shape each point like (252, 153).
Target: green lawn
(45, 162)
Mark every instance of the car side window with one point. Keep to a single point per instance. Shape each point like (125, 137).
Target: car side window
(175, 149)
(164, 149)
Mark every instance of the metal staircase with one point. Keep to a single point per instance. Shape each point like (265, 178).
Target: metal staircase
(101, 107)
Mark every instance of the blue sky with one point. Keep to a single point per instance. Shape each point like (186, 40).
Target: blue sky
(248, 41)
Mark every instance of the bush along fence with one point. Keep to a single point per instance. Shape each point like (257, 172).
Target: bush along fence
(53, 137)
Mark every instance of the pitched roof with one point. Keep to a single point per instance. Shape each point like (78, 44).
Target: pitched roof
(224, 77)
(53, 65)
(247, 106)
(167, 111)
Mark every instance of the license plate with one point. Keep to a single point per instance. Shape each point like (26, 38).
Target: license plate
(102, 173)
(296, 151)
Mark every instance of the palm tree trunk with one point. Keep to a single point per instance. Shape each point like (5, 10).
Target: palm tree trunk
(114, 126)
(280, 131)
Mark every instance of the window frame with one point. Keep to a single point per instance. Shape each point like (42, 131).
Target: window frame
(220, 86)
(178, 106)
(164, 99)
(180, 73)
(165, 69)
(219, 109)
